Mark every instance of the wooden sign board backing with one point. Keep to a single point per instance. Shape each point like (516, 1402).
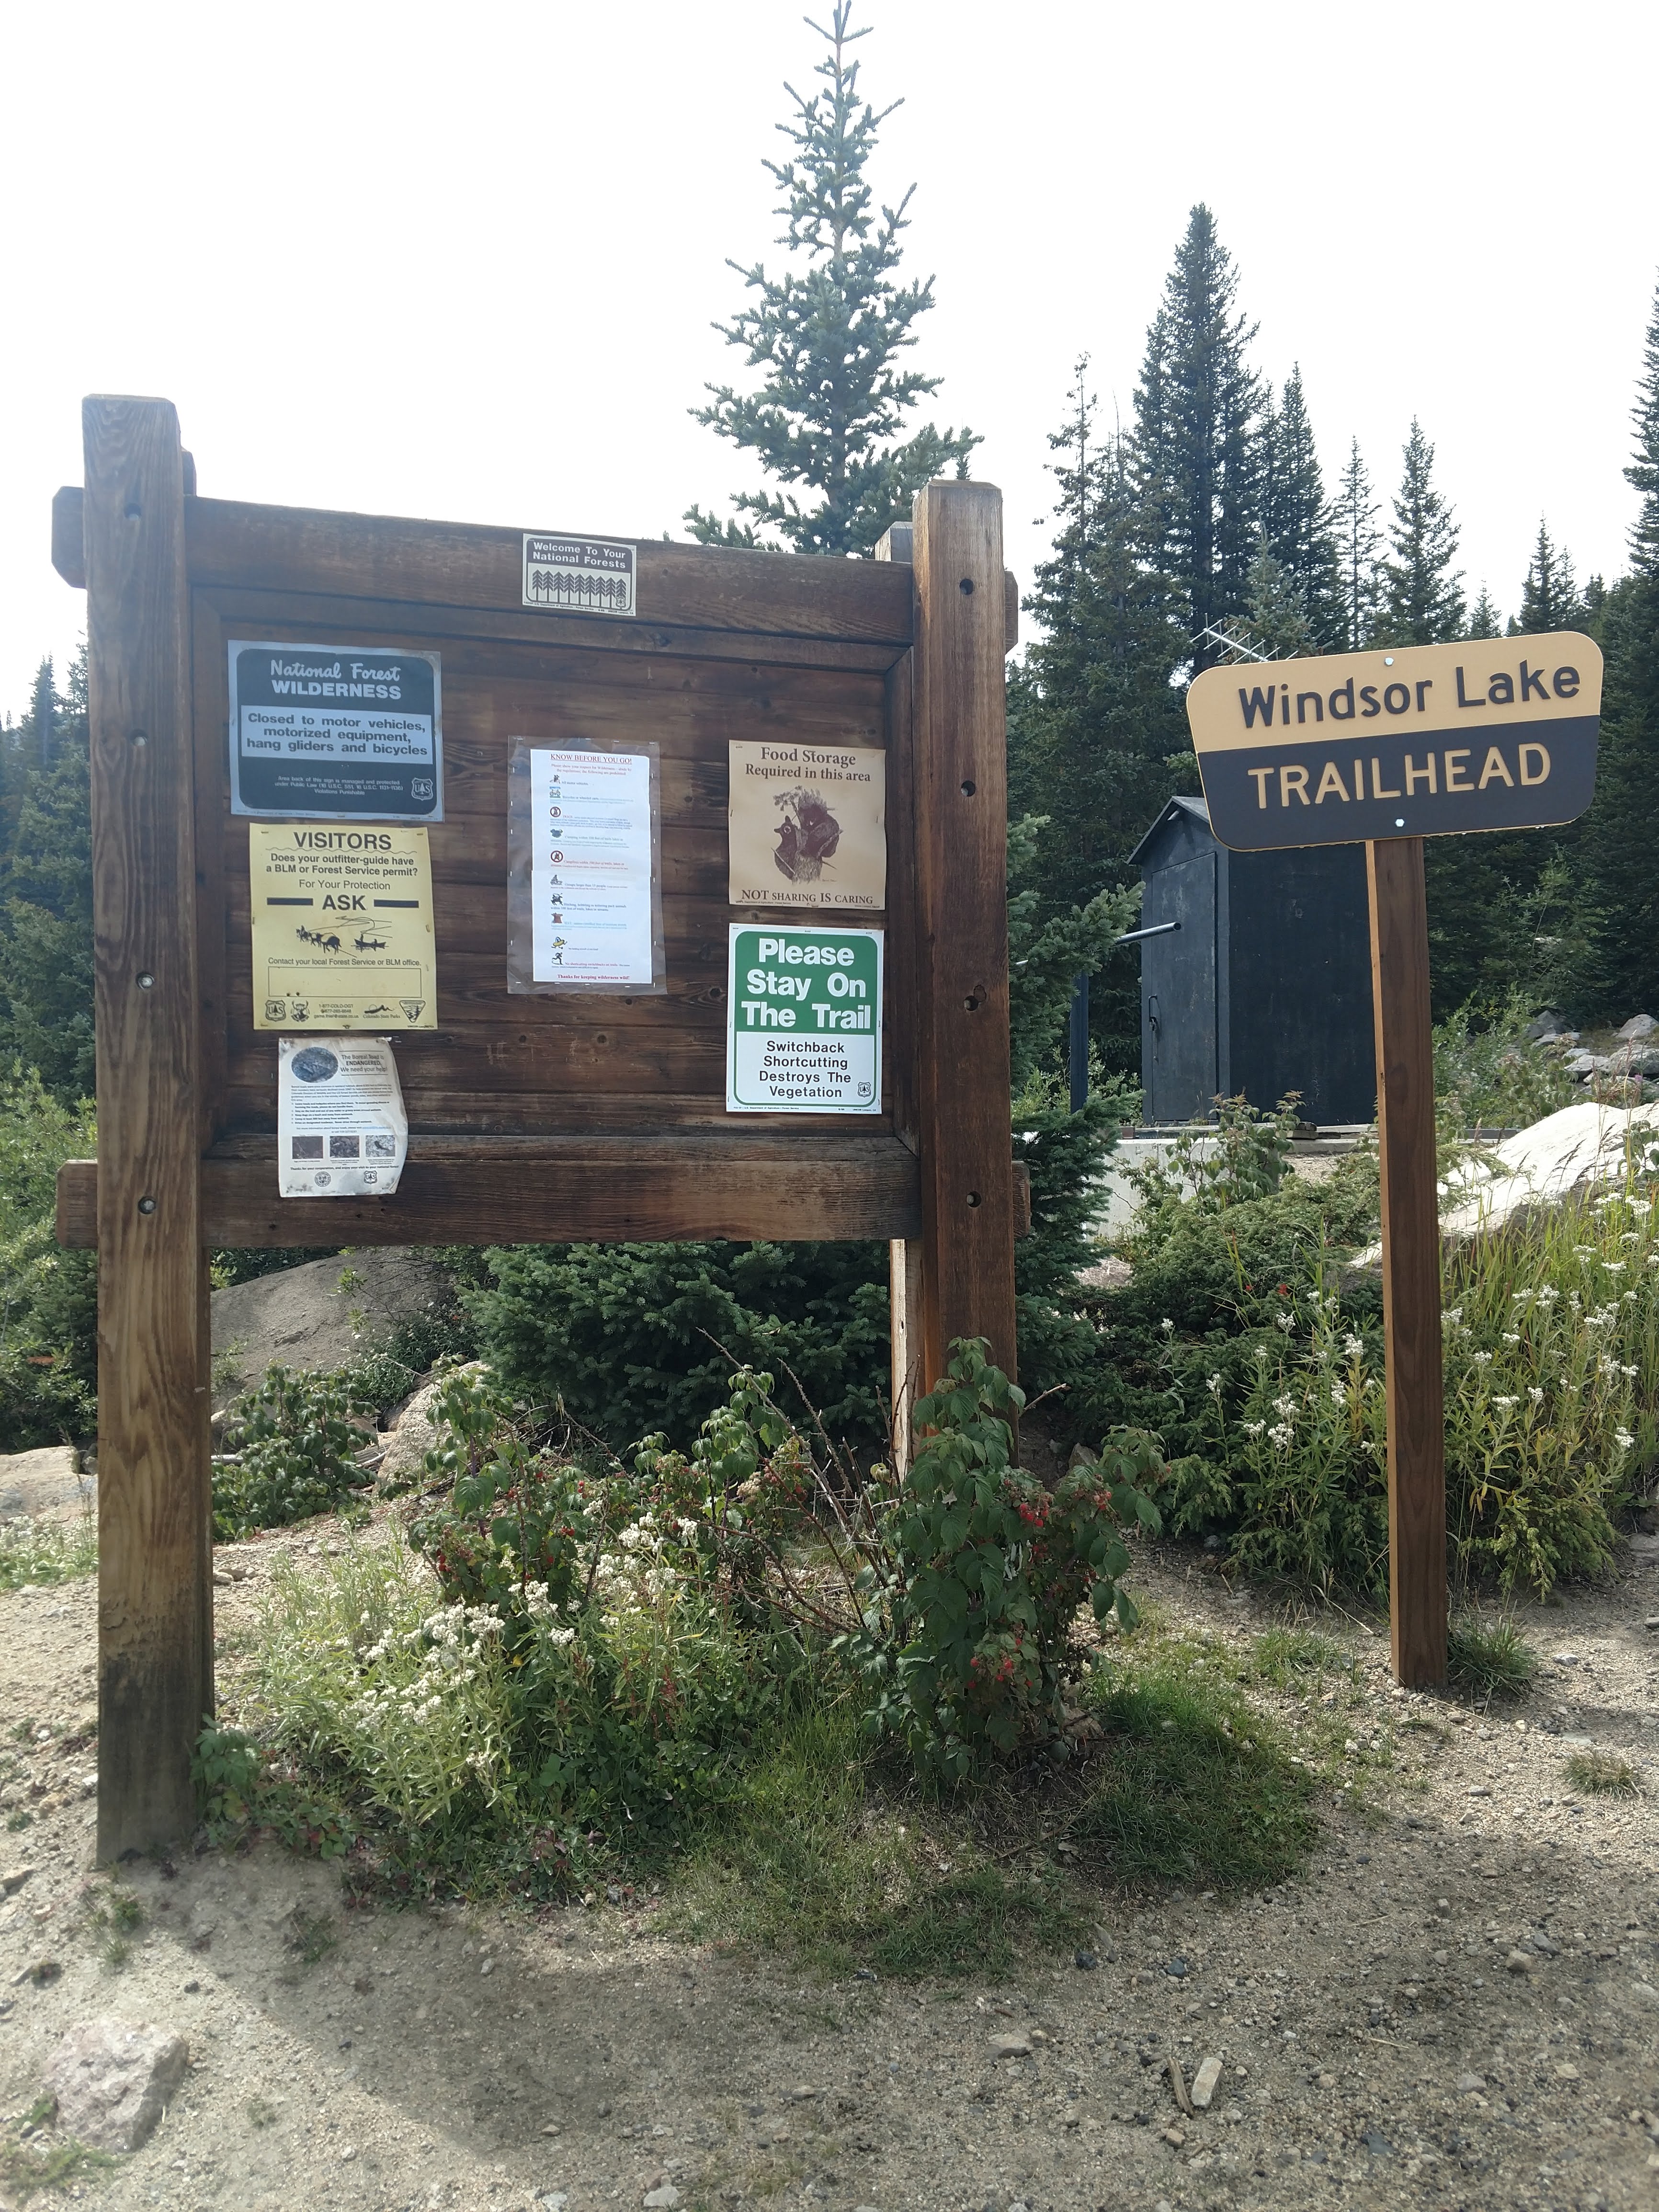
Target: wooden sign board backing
(531, 1118)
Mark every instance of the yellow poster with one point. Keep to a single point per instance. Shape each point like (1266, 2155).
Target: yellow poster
(342, 928)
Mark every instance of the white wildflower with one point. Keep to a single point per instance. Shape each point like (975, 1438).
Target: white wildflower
(1260, 1355)
(1510, 1337)
(1481, 1358)
(1354, 1347)
(1623, 1438)
(1167, 1326)
(1505, 1405)
(1253, 1428)
(1283, 1322)
(688, 1530)
(1338, 1397)
(1286, 1406)
(1283, 1435)
(1614, 1266)
(1535, 1394)
(1213, 1386)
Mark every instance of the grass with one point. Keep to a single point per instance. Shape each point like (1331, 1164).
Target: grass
(1296, 1658)
(1195, 1786)
(47, 1552)
(1487, 1660)
(826, 1856)
(115, 1916)
(1603, 1773)
(25, 2167)
(836, 1857)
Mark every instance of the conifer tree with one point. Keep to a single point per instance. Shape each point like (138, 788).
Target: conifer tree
(1423, 601)
(1296, 516)
(1620, 834)
(1358, 547)
(1484, 621)
(46, 892)
(1093, 719)
(1197, 445)
(834, 399)
(1276, 619)
(1549, 598)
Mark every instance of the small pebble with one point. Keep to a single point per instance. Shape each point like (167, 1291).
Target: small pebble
(1086, 1961)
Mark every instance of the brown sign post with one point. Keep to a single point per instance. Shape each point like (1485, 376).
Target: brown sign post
(531, 1118)
(1392, 746)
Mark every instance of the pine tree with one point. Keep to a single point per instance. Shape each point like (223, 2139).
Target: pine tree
(1197, 447)
(1549, 598)
(1093, 719)
(833, 397)
(46, 894)
(1296, 516)
(1276, 619)
(1422, 602)
(1358, 549)
(1620, 834)
(1484, 621)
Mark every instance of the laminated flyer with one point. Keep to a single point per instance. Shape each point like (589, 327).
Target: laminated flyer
(585, 885)
(342, 928)
(341, 1129)
(805, 1022)
(335, 733)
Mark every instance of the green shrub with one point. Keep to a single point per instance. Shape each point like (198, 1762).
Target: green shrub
(1488, 1073)
(287, 1455)
(1489, 1659)
(374, 1382)
(974, 1574)
(48, 1297)
(635, 1337)
(47, 1552)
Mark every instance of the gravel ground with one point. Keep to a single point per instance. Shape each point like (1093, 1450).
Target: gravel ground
(1456, 2005)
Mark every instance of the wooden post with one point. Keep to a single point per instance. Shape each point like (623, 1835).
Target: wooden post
(962, 927)
(1411, 1260)
(155, 1636)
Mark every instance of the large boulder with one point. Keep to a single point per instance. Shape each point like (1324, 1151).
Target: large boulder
(42, 1481)
(113, 2081)
(302, 1318)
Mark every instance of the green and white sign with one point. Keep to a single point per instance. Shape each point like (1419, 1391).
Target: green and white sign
(805, 1027)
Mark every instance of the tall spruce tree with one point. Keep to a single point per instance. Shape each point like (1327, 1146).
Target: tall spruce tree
(46, 890)
(1295, 515)
(1197, 443)
(1484, 621)
(1358, 552)
(1423, 594)
(1093, 719)
(1549, 597)
(833, 399)
(1620, 973)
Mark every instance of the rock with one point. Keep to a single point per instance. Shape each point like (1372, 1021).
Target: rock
(302, 1318)
(1378, 2145)
(113, 2081)
(1638, 1027)
(34, 1482)
(1644, 1993)
(1013, 2042)
(667, 2196)
(1176, 1970)
(1084, 1961)
(1204, 2084)
(1547, 1025)
(1469, 2084)
(403, 1464)
(1564, 1155)
(1519, 1962)
(1543, 1944)
(16, 1879)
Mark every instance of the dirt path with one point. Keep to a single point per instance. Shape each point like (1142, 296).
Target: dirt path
(1381, 2042)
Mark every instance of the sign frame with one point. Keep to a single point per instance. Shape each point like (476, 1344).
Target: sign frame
(530, 1119)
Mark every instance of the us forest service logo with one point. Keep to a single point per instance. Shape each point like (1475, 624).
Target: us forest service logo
(1411, 741)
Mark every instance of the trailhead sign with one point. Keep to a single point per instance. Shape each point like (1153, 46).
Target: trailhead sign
(1408, 741)
(326, 734)
(1389, 747)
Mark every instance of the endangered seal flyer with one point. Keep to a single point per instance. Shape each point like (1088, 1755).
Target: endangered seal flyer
(807, 826)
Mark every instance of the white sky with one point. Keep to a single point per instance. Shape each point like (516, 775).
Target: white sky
(462, 261)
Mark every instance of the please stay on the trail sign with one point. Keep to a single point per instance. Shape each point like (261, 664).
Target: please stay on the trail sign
(805, 1020)
(1408, 741)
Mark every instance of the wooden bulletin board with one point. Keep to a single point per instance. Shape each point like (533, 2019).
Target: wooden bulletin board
(531, 1118)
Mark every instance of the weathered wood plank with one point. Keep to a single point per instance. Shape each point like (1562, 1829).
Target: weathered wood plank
(962, 932)
(628, 1191)
(471, 565)
(155, 1681)
(1411, 1260)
